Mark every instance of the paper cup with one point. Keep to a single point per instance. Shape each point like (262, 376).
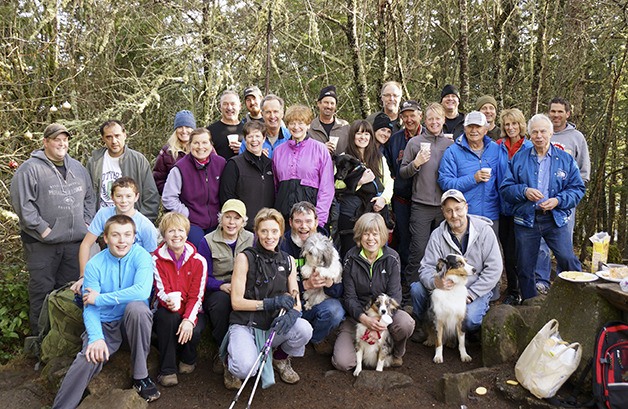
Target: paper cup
(334, 140)
(449, 135)
(175, 297)
(233, 137)
(386, 319)
(426, 146)
(487, 170)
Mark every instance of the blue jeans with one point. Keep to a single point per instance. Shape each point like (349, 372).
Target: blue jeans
(324, 318)
(544, 262)
(197, 234)
(476, 310)
(528, 243)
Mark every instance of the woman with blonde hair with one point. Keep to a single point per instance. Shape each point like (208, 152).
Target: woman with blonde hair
(175, 148)
(370, 269)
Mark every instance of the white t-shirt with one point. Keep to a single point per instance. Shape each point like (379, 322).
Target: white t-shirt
(110, 172)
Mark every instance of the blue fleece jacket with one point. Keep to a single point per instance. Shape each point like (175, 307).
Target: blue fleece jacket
(119, 281)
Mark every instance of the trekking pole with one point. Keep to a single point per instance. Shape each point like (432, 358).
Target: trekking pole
(263, 354)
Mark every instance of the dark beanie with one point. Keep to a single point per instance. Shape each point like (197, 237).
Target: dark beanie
(380, 121)
(328, 91)
(184, 118)
(449, 89)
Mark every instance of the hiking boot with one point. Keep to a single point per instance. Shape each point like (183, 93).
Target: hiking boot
(168, 380)
(419, 335)
(512, 299)
(397, 361)
(231, 382)
(286, 373)
(147, 389)
(187, 368)
(217, 366)
(324, 348)
(542, 288)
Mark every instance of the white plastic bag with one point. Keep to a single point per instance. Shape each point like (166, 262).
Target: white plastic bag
(547, 362)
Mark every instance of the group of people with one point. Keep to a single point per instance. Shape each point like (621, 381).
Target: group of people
(241, 197)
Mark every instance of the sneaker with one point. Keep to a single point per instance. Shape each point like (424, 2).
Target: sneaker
(397, 361)
(231, 382)
(186, 368)
(286, 373)
(217, 366)
(168, 380)
(512, 299)
(146, 389)
(542, 288)
(324, 348)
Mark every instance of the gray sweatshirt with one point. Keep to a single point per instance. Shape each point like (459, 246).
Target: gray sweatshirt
(572, 141)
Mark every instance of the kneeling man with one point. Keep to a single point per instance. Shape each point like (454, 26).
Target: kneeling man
(116, 288)
(471, 237)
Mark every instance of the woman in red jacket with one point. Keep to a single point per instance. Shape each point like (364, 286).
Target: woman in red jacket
(180, 274)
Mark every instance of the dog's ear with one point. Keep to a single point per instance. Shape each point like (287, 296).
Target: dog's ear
(441, 267)
(394, 305)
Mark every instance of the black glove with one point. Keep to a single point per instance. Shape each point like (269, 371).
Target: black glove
(283, 323)
(276, 303)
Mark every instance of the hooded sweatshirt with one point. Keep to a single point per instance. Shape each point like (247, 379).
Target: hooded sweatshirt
(572, 141)
(42, 198)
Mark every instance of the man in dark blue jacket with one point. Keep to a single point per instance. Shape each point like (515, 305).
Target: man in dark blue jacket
(543, 184)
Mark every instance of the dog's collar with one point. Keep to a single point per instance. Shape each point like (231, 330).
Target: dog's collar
(367, 339)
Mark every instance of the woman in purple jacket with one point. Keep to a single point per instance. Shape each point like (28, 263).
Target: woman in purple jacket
(303, 168)
(192, 186)
(175, 148)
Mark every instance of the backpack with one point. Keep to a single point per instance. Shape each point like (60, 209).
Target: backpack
(610, 366)
(65, 320)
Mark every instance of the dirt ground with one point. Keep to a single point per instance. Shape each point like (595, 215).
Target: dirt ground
(320, 386)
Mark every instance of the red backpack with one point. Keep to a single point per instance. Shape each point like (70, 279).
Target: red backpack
(610, 367)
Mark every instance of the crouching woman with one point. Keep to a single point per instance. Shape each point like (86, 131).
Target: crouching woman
(262, 281)
(370, 269)
(177, 323)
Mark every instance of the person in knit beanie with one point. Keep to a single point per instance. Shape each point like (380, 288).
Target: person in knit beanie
(327, 127)
(382, 126)
(175, 148)
(454, 119)
(487, 105)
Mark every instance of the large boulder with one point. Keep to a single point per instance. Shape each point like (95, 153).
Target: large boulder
(580, 311)
(116, 374)
(120, 398)
(454, 388)
(501, 329)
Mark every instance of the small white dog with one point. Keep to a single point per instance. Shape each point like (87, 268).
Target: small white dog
(450, 306)
(320, 256)
(377, 354)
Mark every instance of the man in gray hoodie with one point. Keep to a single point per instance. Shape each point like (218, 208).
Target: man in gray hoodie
(52, 195)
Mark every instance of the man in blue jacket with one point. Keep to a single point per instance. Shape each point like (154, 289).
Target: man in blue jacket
(116, 288)
(543, 184)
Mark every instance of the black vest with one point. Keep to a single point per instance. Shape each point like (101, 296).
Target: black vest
(267, 277)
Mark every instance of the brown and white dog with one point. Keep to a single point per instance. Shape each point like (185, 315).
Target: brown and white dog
(375, 351)
(449, 307)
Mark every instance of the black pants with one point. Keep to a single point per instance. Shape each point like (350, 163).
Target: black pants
(217, 305)
(166, 323)
(509, 246)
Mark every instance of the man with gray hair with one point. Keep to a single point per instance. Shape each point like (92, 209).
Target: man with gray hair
(276, 133)
(390, 94)
(229, 124)
(543, 184)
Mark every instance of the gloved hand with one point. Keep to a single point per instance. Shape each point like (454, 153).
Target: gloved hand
(283, 323)
(276, 303)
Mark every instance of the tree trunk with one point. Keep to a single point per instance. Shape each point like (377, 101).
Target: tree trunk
(269, 37)
(463, 50)
(208, 58)
(539, 52)
(382, 57)
(358, 66)
(505, 9)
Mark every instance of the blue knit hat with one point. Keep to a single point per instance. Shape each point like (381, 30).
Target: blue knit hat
(184, 118)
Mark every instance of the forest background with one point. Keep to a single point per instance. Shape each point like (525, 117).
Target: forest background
(80, 62)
